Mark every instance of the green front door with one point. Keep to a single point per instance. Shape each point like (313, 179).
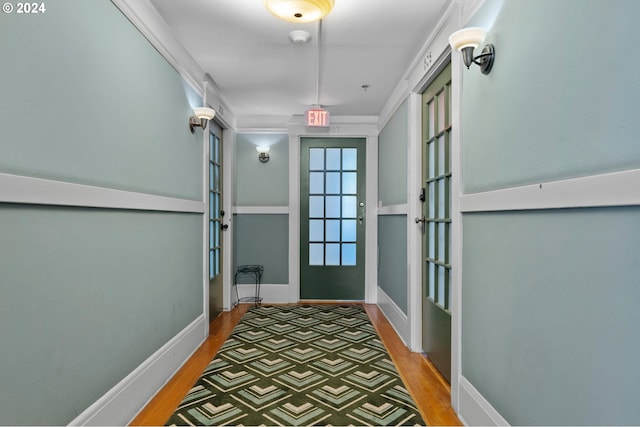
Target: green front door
(332, 218)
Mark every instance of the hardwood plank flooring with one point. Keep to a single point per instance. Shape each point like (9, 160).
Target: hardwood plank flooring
(429, 390)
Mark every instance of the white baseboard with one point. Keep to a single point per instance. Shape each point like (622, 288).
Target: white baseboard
(127, 398)
(474, 409)
(395, 316)
(271, 294)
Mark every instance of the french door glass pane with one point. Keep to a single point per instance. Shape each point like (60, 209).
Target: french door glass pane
(348, 230)
(333, 159)
(349, 183)
(316, 206)
(348, 254)
(316, 183)
(333, 254)
(349, 206)
(333, 230)
(316, 159)
(349, 159)
(333, 207)
(316, 254)
(333, 183)
(316, 230)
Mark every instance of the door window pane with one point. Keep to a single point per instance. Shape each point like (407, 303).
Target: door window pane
(333, 159)
(333, 254)
(316, 182)
(349, 159)
(349, 254)
(333, 230)
(349, 183)
(316, 230)
(333, 207)
(316, 206)
(333, 182)
(349, 206)
(316, 158)
(316, 254)
(348, 230)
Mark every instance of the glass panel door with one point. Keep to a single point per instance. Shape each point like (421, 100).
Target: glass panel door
(332, 218)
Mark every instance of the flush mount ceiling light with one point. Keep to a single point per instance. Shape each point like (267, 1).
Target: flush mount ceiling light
(466, 41)
(299, 11)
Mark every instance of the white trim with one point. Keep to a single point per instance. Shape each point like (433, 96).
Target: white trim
(475, 409)
(396, 317)
(414, 231)
(393, 210)
(257, 210)
(294, 217)
(456, 229)
(270, 293)
(23, 189)
(610, 189)
(124, 401)
(371, 239)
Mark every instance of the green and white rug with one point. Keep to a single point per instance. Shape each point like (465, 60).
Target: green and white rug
(300, 366)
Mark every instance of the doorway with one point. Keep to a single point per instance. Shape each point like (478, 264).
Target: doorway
(332, 218)
(216, 226)
(436, 222)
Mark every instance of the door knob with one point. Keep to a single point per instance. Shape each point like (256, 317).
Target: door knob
(224, 226)
(419, 220)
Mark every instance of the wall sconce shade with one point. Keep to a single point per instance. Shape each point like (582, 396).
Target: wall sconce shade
(466, 41)
(201, 117)
(263, 153)
(299, 11)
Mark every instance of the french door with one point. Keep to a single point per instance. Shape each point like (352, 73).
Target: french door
(436, 221)
(332, 218)
(216, 225)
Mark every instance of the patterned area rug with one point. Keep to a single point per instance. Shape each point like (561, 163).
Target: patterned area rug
(300, 366)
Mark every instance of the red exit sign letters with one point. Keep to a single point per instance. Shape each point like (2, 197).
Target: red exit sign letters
(317, 118)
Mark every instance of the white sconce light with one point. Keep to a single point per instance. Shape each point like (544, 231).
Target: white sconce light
(263, 153)
(299, 11)
(466, 41)
(201, 115)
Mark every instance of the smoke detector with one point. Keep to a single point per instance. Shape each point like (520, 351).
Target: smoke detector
(299, 37)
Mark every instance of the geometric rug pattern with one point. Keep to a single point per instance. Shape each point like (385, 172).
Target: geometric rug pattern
(300, 365)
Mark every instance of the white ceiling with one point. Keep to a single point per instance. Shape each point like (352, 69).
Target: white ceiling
(259, 72)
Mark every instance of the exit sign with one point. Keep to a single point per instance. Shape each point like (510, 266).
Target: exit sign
(317, 118)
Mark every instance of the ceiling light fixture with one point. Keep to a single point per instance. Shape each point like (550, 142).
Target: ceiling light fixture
(299, 11)
(466, 41)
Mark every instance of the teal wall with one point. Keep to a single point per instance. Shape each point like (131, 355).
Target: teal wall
(262, 184)
(263, 239)
(559, 102)
(86, 99)
(550, 316)
(548, 312)
(86, 295)
(392, 258)
(393, 143)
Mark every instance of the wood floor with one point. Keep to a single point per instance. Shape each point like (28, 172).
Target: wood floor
(427, 387)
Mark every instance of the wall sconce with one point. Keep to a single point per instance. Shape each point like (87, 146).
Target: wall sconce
(201, 117)
(466, 41)
(263, 153)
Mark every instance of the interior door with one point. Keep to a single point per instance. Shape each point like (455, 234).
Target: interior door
(436, 222)
(332, 218)
(216, 225)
